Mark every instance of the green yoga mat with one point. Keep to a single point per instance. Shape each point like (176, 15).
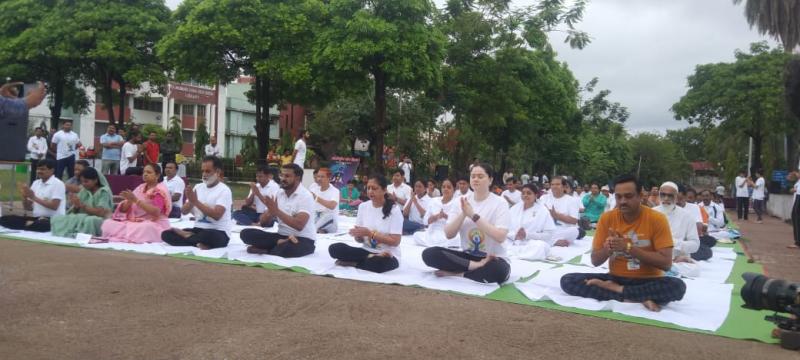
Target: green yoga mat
(740, 324)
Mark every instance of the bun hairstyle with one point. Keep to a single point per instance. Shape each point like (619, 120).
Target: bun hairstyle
(388, 203)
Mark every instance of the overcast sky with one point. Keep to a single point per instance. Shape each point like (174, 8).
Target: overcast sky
(643, 50)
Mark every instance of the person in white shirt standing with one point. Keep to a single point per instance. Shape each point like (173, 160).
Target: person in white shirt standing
(66, 144)
(759, 193)
(176, 186)
(45, 198)
(37, 149)
(407, 167)
(255, 203)
(742, 196)
(129, 157)
(300, 149)
(292, 208)
(326, 202)
(210, 202)
(399, 191)
(212, 149)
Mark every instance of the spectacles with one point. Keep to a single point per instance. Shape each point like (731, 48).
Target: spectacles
(665, 195)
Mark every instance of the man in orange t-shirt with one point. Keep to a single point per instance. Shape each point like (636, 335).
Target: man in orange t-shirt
(637, 242)
(151, 149)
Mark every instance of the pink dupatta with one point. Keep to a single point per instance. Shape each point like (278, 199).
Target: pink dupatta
(158, 196)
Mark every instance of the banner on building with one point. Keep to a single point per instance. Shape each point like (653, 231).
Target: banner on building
(343, 169)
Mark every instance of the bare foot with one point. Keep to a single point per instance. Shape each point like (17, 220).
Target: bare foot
(442, 273)
(651, 305)
(182, 233)
(345, 263)
(202, 246)
(792, 246)
(256, 250)
(562, 243)
(605, 284)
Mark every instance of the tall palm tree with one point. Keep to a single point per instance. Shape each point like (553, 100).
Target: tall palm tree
(778, 18)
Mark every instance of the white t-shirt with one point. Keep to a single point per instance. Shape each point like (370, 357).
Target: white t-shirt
(220, 194)
(611, 202)
(401, 192)
(212, 150)
(48, 190)
(332, 194)
(371, 217)
(406, 167)
(741, 187)
(300, 147)
(536, 221)
(683, 228)
(758, 190)
(66, 144)
(270, 190)
(716, 216)
(694, 210)
(37, 148)
(566, 204)
(175, 186)
(515, 196)
(299, 201)
(720, 190)
(435, 206)
(525, 178)
(413, 213)
(128, 150)
(494, 210)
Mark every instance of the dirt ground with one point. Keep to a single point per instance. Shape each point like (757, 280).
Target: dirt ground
(71, 303)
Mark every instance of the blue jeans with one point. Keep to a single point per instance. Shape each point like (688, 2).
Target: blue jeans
(248, 216)
(67, 163)
(410, 227)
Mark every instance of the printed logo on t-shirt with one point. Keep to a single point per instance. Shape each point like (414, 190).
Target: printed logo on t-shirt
(204, 219)
(476, 244)
(373, 243)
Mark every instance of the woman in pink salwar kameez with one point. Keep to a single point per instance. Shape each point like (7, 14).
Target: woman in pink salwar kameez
(142, 216)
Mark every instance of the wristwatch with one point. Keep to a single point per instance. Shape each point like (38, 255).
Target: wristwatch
(475, 218)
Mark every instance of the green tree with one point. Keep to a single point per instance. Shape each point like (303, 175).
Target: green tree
(249, 151)
(35, 45)
(383, 43)
(117, 44)
(743, 97)
(691, 141)
(657, 160)
(201, 139)
(778, 18)
(174, 128)
(270, 40)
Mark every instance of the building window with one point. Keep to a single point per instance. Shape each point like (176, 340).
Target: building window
(147, 104)
(188, 136)
(201, 110)
(188, 109)
(176, 110)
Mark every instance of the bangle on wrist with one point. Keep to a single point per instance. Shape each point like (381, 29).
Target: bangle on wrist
(628, 247)
(374, 233)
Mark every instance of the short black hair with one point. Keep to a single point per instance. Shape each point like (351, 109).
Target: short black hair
(90, 174)
(48, 163)
(463, 178)
(298, 171)
(264, 169)
(82, 162)
(691, 190)
(170, 162)
(398, 171)
(512, 180)
(215, 161)
(626, 179)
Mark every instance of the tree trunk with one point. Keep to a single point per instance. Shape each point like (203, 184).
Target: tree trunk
(123, 91)
(262, 116)
(58, 102)
(108, 96)
(380, 117)
(757, 146)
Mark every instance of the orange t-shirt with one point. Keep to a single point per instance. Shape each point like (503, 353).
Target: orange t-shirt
(703, 214)
(650, 232)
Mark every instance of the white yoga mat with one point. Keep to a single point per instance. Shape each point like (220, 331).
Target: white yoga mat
(704, 306)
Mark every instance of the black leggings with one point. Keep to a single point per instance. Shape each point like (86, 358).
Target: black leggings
(742, 207)
(796, 219)
(362, 258)
(269, 241)
(16, 222)
(208, 237)
(495, 271)
(660, 290)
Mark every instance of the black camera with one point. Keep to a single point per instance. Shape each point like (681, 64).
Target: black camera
(763, 293)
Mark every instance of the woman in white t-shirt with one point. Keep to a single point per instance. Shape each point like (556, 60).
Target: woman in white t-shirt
(379, 225)
(415, 209)
(326, 202)
(439, 210)
(482, 223)
(531, 227)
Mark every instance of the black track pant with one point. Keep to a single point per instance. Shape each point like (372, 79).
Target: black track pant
(742, 207)
(660, 290)
(495, 271)
(269, 242)
(796, 219)
(377, 264)
(17, 222)
(208, 237)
